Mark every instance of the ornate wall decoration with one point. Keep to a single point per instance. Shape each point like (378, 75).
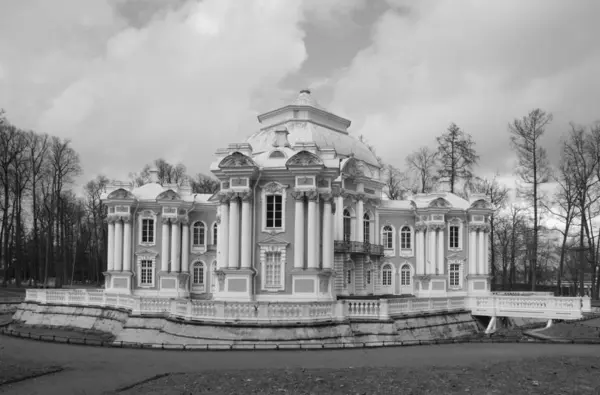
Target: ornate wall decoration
(273, 187)
(297, 195)
(440, 203)
(304, 158)
(481, 204)
(168, 195)
(236, 159)
(121, 194)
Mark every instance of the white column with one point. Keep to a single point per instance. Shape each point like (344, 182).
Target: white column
(327, 234)
(431, 252)
(420, 251)
(118, 246)
(472, 251)
(246, 258)
(164, 259)
(311, 230)
(175, 262)
(318, 232)
(360, 212)
(234, 233)
(185, 246)
(377, 232)
(299, 230)
(110, 259)
(441, 249)
(127, 245)
(339, 217)
(481, 251)
(223, 260)
(486, 252)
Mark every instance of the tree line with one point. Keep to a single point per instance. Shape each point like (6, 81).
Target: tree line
(47, 230)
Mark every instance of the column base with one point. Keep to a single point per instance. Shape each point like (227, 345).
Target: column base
(431, 286)
(118, 282)
(173, 285)
(312, 284)
(478, 283)
(235, 284)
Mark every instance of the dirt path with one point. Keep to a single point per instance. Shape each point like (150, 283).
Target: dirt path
(92, 370)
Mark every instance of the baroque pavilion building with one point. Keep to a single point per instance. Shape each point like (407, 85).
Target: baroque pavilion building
(299, 217)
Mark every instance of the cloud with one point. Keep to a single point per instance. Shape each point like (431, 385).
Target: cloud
(129, 81)
(479, 64)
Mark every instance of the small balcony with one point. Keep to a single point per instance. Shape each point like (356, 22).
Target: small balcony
(357, 247)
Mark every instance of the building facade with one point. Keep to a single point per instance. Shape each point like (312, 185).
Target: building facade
(299, 217)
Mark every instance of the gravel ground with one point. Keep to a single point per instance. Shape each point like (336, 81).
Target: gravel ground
(526, 376)
(11, 372)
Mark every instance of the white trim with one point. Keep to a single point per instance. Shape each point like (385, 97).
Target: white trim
(200, 287)
(461, 266)
(264, 250)
(456, 222)
(371, 225)
(352, 223)
(306, 187)
(278, 189)
(388, 251)
(407, 252)
(392, 278)
(147, 214)
(146, 257)
(214, 229)
(198, 248)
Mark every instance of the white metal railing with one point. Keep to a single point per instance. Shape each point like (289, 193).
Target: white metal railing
(547, 307)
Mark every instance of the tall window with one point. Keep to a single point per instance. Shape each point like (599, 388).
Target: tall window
(198, 273)
(147, 230)
(215, 234)
(454, 235)
(405, 242)
(368, 277)
(388, 237)
(146, 272)
(347, 225)
(273, 270)
(274, 211)
(405, 275)
(366, 228)
(386, 275)
(454, 274)
(199, 234)
(349, 276)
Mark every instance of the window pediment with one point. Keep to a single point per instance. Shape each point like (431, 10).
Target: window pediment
(273, 241)
(146, 252)
(121, 194)
(168, 195)
(303, 159)
(236, 160)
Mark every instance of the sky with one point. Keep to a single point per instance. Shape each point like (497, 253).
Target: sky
(129, 81)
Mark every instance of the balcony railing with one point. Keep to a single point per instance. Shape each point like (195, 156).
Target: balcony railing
(357, 247)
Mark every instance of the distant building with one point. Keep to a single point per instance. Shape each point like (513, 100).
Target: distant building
(299, 217)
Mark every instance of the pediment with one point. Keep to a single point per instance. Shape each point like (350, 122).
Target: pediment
(352, 168)
(481, 204)
(273, 241)
(146, 252)
(440, 203)
(121, 194)
(168, 195)
(304, 158)
(236, 160)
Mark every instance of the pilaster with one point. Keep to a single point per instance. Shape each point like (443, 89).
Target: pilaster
(164, 258)
(118, 245)
(234, 232)
(246, 257)
(312, 223)
(298, 229)
(127, 244)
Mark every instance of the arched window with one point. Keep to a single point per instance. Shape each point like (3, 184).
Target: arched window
(405, 275)
(388, 237)
(215, 234)
(198, 234)
(198, 273)
(347, 225)
(366, 228)
(405, 241)
(386, 275)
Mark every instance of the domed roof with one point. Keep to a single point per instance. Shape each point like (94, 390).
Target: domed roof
(306, 121)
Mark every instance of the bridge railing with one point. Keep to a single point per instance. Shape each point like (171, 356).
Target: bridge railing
(542, 306)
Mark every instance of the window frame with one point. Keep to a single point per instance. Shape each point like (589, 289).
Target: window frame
(147, 215)
(455, 272)
(265, 250)
(193, 236)
(384, 270)
(347, 223)
(367, 228)
(405, 267)
(146, 257)
(215, 233)
(273, 189)
(455, 222)
(389, 251)
(407, 252)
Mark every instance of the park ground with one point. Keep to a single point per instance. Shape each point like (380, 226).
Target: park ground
(33, 367)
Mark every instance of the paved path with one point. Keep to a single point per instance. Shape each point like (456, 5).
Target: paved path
(93, 370)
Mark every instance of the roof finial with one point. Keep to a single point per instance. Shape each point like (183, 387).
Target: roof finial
(307, 91)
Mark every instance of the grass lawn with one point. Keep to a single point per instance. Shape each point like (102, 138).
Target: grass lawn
(11, 372)
(571, 331)
(525, 376)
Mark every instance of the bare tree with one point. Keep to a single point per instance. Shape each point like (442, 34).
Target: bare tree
(533, 168)
(456, 156)
(205, 184)
(395, 183)
(422, 162)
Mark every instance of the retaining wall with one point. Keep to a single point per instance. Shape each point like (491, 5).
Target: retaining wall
(160, 330)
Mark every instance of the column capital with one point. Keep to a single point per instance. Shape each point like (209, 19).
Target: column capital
(420, 227)
(185, 220)
(481, 227)
(223, 198)
(298, 195)
(312, 196)
(234, 197)
(434, 227)
(111, 220)
(359, 197)
(165, 221)
(245, 196)
(327, 197)
(337, 192)
(126, 219)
